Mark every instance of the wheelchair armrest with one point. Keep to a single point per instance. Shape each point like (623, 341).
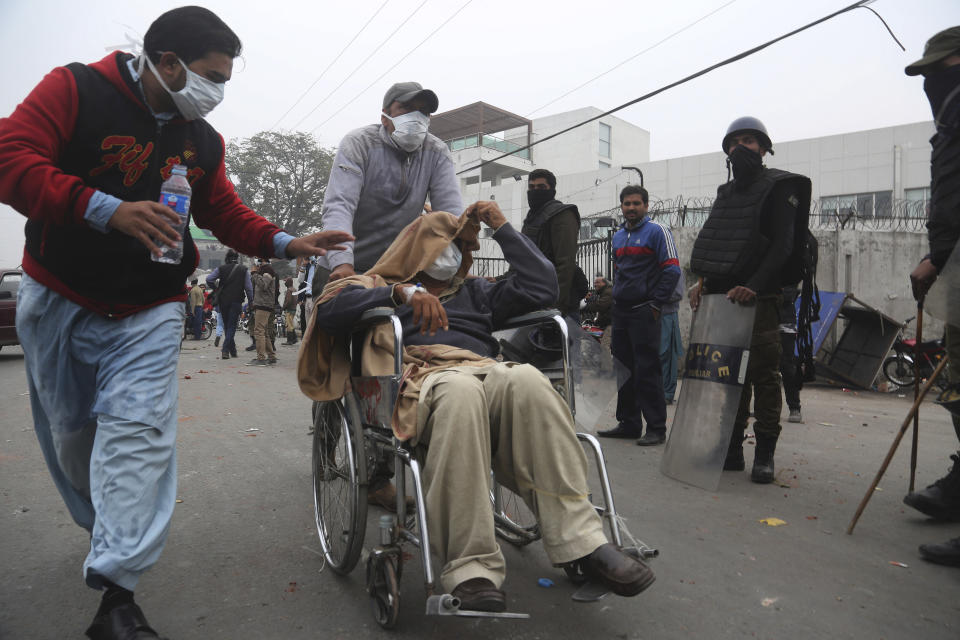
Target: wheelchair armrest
(534, 317)
(371, 317)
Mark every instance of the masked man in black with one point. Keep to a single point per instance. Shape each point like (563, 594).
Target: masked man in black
(940, 66)
(745, 246)
(555, 228)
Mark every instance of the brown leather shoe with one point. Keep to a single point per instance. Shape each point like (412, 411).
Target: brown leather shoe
(386, 498)
(619, 571)
(479, 594)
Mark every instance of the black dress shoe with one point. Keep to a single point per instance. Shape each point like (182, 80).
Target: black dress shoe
(479, 594)
(617, 570)
(947, 553)
(651, 439)
(619, 431)
(123, 622)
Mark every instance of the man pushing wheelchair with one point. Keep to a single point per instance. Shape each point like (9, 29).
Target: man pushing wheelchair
(466, 413)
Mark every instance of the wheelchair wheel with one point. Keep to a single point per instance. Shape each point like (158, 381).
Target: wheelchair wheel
(512, 519)
(383, 585)
(339, 498)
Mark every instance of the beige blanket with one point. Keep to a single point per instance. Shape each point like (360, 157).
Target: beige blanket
(323, 368)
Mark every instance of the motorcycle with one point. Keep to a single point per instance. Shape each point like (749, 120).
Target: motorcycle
(899, 367)
(206, 328)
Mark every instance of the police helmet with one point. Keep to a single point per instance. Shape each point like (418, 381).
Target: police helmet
(748, 124)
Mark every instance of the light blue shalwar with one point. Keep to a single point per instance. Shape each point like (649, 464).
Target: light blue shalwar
(104, 399)
(671, 342)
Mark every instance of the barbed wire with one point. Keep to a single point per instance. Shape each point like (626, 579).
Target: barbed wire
(895, 215)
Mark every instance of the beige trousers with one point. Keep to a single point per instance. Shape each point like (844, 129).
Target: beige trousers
(506, 417)
(261, 320)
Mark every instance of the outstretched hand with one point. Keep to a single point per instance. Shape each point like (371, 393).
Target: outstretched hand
(317, 244)
(149, 222)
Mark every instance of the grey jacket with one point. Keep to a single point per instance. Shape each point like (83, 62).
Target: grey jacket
(376, 189)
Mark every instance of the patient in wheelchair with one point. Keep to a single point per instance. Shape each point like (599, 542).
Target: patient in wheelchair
(465, 412)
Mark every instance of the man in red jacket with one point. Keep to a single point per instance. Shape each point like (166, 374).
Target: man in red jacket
(83, 158)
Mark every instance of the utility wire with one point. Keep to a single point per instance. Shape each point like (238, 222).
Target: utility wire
(739, 56)
(357, 68)
(332, 62)
(631, 58)
(592, 186)
(407, 55)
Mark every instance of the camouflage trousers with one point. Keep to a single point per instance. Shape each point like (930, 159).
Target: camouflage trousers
(762, 382)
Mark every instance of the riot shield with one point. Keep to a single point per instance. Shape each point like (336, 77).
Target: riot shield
(596, 377)
(592, 373)
(714, 370)
(943, 298)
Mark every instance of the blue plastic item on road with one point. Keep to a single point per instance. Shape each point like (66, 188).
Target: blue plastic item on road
(545, 582)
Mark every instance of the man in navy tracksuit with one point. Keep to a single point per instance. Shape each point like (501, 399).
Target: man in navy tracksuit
(647, 270)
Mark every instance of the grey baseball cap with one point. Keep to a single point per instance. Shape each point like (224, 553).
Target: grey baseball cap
(941, 45)
(407, 91)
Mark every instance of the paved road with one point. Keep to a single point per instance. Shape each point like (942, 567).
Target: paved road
(242, 559)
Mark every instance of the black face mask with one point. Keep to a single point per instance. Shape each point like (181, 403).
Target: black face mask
(939, 87)
(536, 198)
(746, 164)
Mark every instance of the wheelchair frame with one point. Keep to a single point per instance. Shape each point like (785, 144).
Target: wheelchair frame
(359, 426)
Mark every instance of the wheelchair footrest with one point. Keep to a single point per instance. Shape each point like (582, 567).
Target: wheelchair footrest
(447, 605)
(590, 592)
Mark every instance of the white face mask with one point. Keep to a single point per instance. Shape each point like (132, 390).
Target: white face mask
(409, 130)
(446, 265)
(197, 98)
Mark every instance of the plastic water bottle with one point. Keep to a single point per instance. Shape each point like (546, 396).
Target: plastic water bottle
(175, 193)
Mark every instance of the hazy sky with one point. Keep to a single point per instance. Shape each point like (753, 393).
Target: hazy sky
(843, 75)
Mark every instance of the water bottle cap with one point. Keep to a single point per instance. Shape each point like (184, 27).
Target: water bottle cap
(179, 169)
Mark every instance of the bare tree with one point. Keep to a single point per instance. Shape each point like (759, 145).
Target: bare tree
(283, 177)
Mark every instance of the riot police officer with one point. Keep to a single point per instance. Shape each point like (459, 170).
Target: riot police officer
(744, 250)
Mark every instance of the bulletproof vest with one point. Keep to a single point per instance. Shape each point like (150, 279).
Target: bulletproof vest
(945, 176)
(730, 246)
(535, 225)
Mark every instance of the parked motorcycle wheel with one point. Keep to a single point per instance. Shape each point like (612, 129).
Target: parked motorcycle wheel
(898, 370)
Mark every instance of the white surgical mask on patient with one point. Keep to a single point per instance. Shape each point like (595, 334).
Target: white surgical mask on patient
(446, 265)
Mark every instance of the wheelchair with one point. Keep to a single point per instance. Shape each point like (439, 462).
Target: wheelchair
(353, 434)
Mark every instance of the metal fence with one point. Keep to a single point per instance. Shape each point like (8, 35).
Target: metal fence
(593, 256)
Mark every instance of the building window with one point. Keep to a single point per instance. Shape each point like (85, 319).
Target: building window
(918, 201)
(605, 140)
(604, 165)
(878, 204)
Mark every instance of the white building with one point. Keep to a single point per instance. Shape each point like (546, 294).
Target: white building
(868, 172)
